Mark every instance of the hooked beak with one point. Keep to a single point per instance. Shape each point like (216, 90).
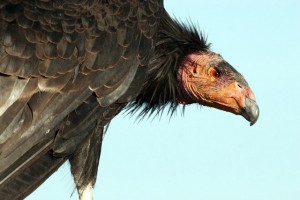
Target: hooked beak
(251, 111)
(237, 99)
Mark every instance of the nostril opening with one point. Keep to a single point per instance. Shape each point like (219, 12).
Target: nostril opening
(239, 85)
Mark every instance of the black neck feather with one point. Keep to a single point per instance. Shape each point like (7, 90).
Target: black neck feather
(173, 42)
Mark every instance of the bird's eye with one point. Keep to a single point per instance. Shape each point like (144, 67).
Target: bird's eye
(215, 72)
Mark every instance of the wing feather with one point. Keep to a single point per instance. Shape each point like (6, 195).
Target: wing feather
(66, 68)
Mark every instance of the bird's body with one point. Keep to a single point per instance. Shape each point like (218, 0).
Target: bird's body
(68, 67)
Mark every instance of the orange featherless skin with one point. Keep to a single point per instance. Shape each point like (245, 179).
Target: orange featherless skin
(209, 80)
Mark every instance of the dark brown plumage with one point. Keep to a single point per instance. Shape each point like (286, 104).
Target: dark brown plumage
(68, 67)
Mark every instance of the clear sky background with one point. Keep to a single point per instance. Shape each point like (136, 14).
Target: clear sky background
(209, 154)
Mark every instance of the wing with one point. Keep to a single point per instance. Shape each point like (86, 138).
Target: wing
(66, 69)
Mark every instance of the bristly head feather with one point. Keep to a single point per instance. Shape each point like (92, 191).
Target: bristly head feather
(173, 43)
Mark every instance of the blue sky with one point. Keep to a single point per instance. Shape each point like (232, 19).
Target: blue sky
(209, 154)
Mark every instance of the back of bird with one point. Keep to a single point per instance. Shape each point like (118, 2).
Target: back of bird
(66, 69)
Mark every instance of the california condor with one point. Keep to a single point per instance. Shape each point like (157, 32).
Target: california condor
(68, 67)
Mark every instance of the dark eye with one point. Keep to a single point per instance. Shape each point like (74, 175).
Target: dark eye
(215, 72)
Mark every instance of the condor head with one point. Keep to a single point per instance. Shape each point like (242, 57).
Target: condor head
(183, 70)
(206, 78)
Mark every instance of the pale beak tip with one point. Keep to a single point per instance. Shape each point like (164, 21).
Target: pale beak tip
(251, 111)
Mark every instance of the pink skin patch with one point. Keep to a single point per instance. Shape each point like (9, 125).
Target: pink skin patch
(200, 84)
(199, 62)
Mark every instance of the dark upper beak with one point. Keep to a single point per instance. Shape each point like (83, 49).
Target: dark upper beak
(250, 111)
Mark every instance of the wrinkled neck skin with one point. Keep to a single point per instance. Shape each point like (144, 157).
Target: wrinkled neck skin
(187, 73)
(186, 97)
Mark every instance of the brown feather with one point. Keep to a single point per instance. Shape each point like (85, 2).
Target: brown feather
(53, 56)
